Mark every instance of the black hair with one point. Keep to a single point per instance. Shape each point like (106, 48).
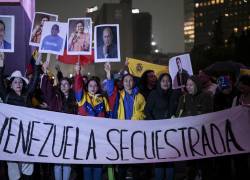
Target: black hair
(55, 25)
(68, 104)
(196, 81)
(23, 88)
(144, 78)
(66, 79)
(97, 82)
(127, 74)
(1, 22)
(45, 16)
(178, 58)
(169, 77)
(96, 78)
(78, 22)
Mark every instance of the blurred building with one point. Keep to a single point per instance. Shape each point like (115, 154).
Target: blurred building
(188, 24)
(142, 32)
(228, 15)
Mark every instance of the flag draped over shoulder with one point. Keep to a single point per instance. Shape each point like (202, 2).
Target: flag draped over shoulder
(138, 67)
(72, 59)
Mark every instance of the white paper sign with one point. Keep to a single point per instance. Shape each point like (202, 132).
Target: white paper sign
(79, 37)
(53, 38)
(107, 43)
(37, 26)
(180, 68)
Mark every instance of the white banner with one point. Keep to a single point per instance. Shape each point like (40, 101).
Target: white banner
(33, 135)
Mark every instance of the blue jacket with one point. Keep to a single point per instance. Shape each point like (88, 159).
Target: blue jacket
(117, 104)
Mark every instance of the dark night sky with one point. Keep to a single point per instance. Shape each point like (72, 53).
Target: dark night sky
(167, 17)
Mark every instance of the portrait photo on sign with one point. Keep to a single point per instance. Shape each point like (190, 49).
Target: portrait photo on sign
(79, 37)
(7, 33)
(53, 38)
(37, 26)
(107, 43)
(180, 68)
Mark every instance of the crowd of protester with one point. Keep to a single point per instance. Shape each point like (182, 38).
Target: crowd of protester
(125, 98)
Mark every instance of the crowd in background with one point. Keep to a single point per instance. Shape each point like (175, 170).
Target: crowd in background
(125, 98)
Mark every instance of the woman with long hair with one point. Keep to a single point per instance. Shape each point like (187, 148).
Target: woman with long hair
(59, 99)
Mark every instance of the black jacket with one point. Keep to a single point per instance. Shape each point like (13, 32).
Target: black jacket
(55, 98)
(161, 104)
(195, 104)
(10, 97)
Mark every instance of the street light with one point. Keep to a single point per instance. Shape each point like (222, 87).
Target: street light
(153, 43)
(135, 11)
(92, 9)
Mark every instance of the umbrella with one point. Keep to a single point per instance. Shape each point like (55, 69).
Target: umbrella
(224, 67)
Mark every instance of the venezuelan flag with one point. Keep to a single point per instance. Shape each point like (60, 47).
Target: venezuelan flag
(138, 67)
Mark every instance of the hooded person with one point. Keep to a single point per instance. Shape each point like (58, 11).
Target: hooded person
(195, 102)
(162, 102)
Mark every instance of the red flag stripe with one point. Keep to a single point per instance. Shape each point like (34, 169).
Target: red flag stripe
(73, 59)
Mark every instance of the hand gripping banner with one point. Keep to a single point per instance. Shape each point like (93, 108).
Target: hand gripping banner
(32, 135)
